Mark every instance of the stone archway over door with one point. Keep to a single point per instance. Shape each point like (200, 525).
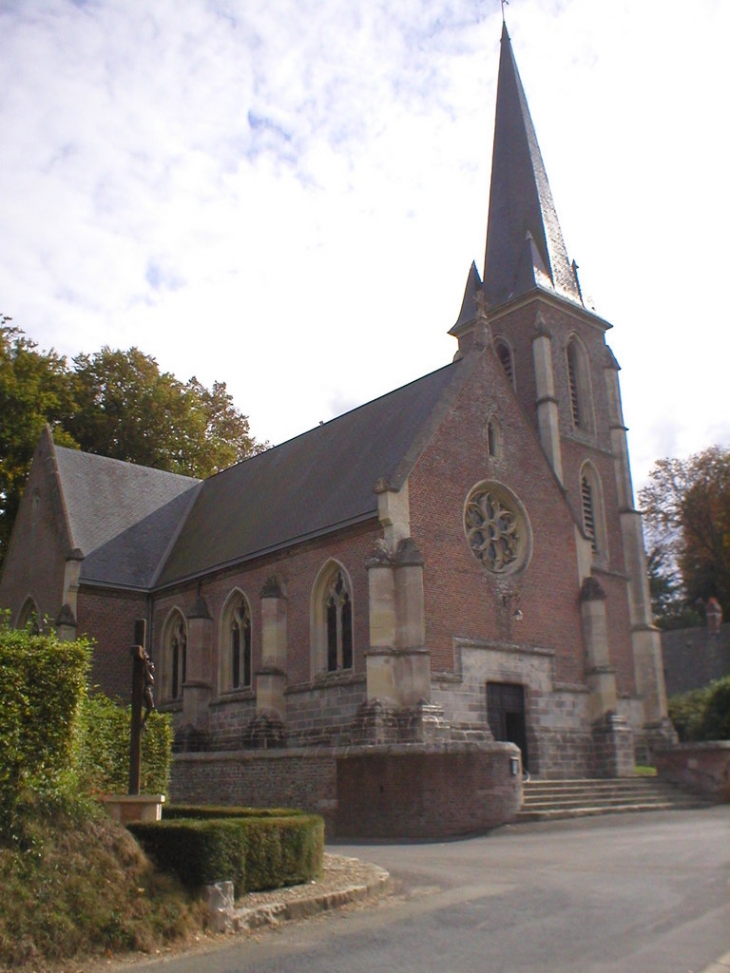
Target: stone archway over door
(506, 715)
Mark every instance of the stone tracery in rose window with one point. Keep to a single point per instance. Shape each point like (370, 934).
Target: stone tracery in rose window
(495, 530)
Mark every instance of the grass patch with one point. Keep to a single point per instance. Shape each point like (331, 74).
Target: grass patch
(77, 886)
(643, 771)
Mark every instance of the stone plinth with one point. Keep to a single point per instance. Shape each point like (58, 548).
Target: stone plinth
(126, 808)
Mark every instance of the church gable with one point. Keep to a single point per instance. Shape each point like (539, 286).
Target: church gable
(484, 465)
(32, 582)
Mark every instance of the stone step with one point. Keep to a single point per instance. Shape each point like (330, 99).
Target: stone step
(545, 800)
(555, 793)
(555, 814)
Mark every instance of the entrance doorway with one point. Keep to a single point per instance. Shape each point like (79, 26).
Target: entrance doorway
(506, 715)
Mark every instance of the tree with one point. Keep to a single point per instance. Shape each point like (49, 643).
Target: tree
(114, 403)
(129, 410)
(34, 390)
(687, 512)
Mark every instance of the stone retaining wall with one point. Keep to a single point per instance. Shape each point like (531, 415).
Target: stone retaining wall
(398, 791)
(700, 767)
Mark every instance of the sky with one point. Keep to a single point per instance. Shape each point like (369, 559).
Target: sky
(286, 195)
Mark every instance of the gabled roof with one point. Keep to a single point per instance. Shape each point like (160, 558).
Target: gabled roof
(121, 517)
(525, 246)
(320, 481)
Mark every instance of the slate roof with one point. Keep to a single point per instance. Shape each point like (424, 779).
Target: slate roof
(525, 246)
(122, 517)
(317, 482)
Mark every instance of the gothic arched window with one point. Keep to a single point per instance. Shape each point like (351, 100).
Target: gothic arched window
(29, 617)
(504, 353)
(591, 500)
(579, 386)
(332, 620)
(175, 664)
(235, 657)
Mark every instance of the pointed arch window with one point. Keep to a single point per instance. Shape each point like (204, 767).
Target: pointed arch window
(332, 621)
(579, 386)
(29, 617)
(236, 660)
(175, 656)
(504, 353)
(591, 499)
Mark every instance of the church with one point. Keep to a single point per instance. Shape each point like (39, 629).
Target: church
(457, 564)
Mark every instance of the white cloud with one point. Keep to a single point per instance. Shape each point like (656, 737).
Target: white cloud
(287, 195)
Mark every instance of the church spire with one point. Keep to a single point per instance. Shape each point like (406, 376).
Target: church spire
(525, 246)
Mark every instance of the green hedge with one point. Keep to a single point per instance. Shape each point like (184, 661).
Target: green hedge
(102, 750)
(254, 853)
(702, 714)
(208, 811)
(42, 685)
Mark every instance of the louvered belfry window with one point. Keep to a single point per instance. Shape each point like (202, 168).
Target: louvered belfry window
(589, 515)
(573, 381)
(505, 356)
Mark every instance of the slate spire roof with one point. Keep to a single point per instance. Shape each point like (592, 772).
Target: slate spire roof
(525, 246)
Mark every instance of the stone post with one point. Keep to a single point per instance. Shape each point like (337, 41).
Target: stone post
(613, 743)
(197, 689)
(268, 728)
(645, 639)
(546, 401)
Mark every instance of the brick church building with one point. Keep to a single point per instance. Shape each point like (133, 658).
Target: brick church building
(455, 563)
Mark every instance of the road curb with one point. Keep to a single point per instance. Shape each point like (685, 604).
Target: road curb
(232, 919)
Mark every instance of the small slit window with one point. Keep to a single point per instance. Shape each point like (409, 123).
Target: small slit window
(494, 439)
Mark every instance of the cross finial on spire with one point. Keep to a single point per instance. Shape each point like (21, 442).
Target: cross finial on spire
(504, 3)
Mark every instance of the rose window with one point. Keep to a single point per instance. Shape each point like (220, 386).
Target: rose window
(496, 528)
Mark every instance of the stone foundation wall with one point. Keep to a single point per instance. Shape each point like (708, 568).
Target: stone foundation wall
(228, 719)
(323, 713)
(700, 767)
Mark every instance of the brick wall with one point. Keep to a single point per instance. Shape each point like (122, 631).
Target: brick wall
(108, 618)
(329, 698)
(304, 779)
(34, 565)
(463, 600)
(700, 767)
(391, 792)
(422, 792)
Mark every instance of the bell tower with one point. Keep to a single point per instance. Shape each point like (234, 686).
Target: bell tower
(565, 377)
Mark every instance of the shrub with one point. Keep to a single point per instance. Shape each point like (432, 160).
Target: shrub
(715, 723)
(254, 853)
(42, 685)
(102, 748)
(702, 714)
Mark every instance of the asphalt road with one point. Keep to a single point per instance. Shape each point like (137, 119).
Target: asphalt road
(641, 893)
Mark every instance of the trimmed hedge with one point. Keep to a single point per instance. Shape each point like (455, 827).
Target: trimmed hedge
(202, 812)
(254, 852)
(42, 685)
